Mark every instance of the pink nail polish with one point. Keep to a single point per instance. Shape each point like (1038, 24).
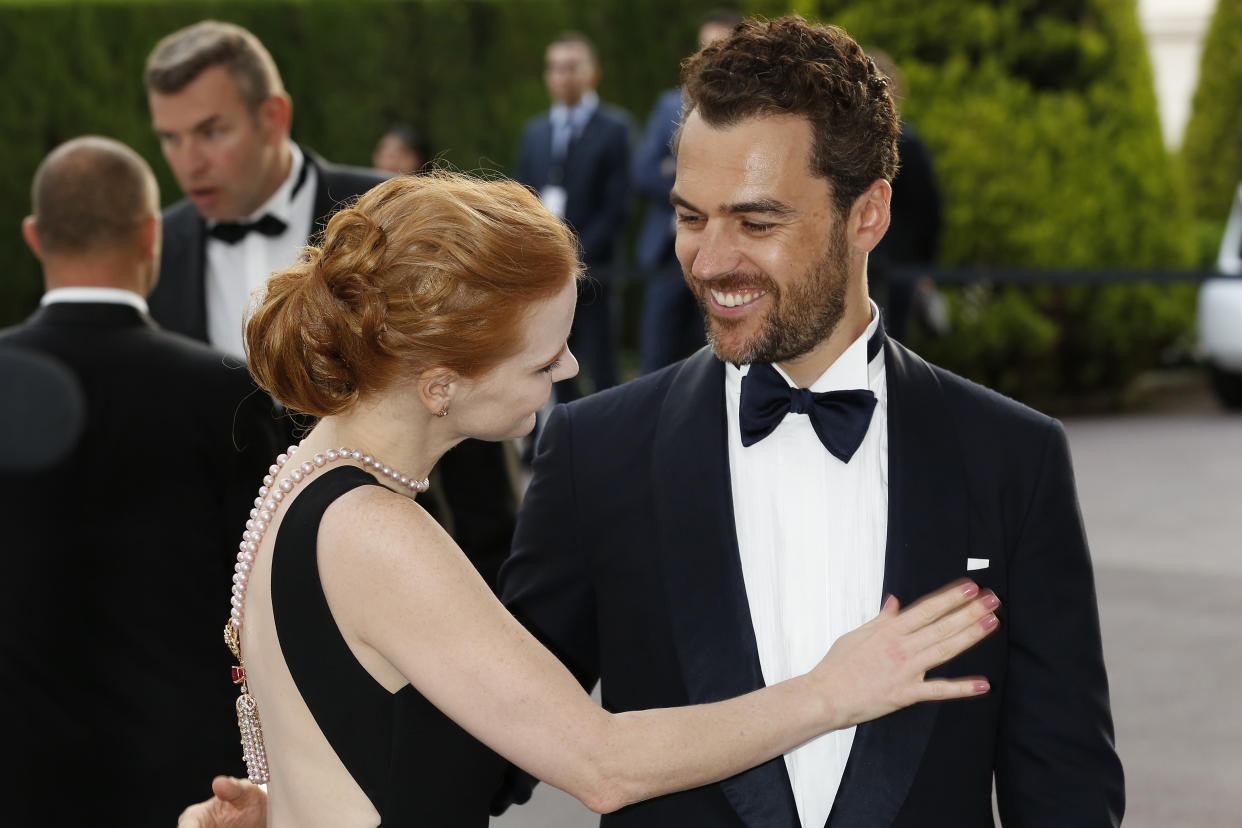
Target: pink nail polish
(982, 687)
(991, 601)
(989, 622)
(969, 589)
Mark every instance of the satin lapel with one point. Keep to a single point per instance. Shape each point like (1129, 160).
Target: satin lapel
(191, 259)
(708, 609)
(199, 247)
(179, 299)
(543, 146)
(325, 200)
(928, 542)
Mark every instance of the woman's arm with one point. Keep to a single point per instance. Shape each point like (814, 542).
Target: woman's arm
(396, 583)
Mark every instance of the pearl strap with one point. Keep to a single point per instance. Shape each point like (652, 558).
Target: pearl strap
(271, 493)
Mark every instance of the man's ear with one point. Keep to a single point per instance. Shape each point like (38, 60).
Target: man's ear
(276, 114)
(436, 389)
(869, 217)
(30, 232)
(149, 237)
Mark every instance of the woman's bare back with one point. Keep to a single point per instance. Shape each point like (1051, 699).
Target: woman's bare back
(350, 742)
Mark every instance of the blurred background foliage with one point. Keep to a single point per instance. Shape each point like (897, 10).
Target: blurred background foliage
(1212, 147)
(1042, 118)
(1041, 115)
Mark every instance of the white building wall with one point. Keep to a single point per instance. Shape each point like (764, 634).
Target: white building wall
(1175, 30)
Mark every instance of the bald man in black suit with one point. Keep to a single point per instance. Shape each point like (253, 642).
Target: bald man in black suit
(124, 547)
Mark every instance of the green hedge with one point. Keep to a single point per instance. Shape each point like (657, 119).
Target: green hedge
(1043, 122)
(1041, 115)
(468, 74)
(1212, 146)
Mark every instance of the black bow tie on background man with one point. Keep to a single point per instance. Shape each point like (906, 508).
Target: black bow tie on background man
(840, 418)
(231, 232)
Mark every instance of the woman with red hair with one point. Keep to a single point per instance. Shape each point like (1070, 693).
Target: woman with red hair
(436, 309)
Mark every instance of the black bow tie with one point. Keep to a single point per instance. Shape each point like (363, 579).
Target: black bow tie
(840, 418)
(231, 232)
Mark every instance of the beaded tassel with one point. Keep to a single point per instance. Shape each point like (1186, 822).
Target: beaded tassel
(252, 739)
(253, 751)
(271, 493)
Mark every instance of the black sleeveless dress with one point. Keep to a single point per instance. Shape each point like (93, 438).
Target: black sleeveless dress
(415, 764)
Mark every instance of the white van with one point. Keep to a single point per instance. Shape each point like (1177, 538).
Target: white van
(1220, 313)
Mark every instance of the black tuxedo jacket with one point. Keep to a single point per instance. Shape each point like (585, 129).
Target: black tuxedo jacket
(121, 557)
(472, 492)
(626, 564)
(179, 301)
(596, 176)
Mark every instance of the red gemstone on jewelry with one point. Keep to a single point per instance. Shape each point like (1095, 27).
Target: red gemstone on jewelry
(239, 674)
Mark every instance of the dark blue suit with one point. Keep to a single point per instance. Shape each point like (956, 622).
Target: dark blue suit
(626, 564)
(595, 178)
(672, 324)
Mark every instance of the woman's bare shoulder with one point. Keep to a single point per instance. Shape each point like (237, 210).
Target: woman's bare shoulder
(387, 567)
(373, 523)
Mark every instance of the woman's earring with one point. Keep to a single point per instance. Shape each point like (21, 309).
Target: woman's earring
(443, 412)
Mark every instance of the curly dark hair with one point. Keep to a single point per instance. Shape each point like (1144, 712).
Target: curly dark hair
(791, 67)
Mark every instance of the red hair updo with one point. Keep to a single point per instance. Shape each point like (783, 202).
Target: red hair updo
(423, 271)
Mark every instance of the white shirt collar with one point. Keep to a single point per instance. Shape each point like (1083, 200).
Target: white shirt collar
(811, 537)
(107, 295)
(579, 113)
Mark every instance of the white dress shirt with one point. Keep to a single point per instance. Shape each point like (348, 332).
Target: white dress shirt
(569, 121)
(107, 295)
(235, 271)
(811, 532)
(567, 124)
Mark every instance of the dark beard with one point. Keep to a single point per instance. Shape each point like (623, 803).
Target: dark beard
(802, 314)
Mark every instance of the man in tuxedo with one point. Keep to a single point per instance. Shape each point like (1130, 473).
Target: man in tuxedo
(123, 541)
(576, 156)
(254, 198)
(714, 526)
(672, 326)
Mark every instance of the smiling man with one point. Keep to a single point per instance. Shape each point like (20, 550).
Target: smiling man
(770, 260)
(715, 526)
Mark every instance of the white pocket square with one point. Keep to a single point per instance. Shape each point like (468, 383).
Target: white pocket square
(976, 563)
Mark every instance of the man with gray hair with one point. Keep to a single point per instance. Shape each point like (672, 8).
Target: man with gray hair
(113, 669)
(254, 198)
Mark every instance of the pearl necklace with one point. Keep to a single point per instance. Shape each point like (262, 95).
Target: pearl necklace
(271, 493)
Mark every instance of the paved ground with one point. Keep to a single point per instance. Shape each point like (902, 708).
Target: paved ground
(1162, 498)
(1161, 494)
